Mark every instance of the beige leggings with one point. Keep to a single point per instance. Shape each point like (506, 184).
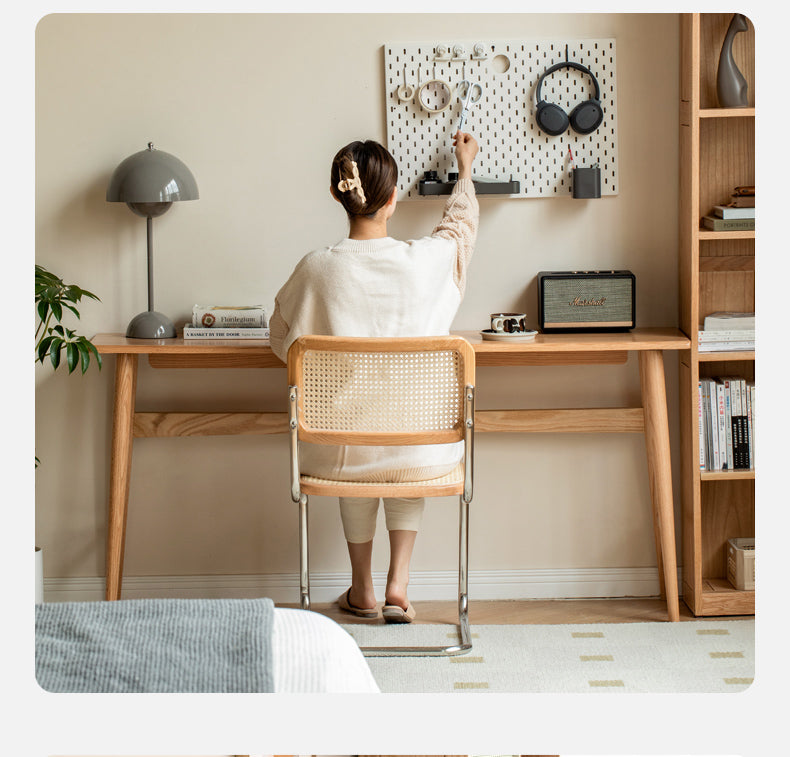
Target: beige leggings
(359, 516)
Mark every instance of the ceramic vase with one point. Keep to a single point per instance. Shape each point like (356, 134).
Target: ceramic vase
(731, 87)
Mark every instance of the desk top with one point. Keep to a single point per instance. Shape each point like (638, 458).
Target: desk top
(636, 339)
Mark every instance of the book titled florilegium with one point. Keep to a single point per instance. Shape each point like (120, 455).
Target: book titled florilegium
(232, 316)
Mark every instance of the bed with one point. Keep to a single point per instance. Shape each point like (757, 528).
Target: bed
(194, 645)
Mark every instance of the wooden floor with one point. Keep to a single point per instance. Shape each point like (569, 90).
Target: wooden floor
(534, 611)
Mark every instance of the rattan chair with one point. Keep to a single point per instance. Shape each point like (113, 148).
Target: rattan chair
(384, 391)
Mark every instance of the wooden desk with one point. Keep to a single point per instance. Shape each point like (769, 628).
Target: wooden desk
(548, 349)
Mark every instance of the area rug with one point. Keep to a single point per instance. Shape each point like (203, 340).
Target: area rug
(687, 657)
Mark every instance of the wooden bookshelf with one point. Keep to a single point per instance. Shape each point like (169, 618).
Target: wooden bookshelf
(716, 272)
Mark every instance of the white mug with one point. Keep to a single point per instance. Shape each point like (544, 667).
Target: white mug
(510, 323)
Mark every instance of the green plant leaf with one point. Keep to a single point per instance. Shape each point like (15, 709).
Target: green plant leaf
(42, 308)
(54, 352)
(72, 308)
(43, 347)
(72, 356)
(85, 356)
(57, 310)
(92, 347)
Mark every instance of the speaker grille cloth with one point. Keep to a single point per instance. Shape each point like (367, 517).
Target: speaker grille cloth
(559, 296)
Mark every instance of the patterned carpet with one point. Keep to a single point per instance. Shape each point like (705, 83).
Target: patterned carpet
(688, 657)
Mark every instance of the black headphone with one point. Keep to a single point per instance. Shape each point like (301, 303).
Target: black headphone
(585, 118)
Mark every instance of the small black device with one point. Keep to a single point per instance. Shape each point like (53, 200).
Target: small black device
(585, 118)
(586, 300)
(586, 183)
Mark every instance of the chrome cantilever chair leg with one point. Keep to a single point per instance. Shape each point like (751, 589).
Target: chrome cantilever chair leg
(465, 636)
(304, 567)
(465, 641)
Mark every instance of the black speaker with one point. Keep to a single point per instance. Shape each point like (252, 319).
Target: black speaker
(585, 118)
(586, 300)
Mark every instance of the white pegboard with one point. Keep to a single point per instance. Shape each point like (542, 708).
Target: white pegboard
(511, 144)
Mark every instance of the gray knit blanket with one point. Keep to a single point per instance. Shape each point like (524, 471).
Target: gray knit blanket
(155, 645)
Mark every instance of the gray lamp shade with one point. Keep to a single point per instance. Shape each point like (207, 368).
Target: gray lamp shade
(151, 176)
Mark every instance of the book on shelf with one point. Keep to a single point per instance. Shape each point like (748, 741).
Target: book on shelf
(728, 320)
(229, 316)
(726, 422)
(727, 212)
(723, 340)
(725, 346)
(741, 201)
(725, 335)
(223, 332)
(727, 224)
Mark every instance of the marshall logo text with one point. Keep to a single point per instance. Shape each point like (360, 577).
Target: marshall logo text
(578, 302)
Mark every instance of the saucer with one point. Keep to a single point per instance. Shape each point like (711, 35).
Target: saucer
(504, 336)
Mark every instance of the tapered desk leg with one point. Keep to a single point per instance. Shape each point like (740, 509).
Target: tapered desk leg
(120, 470)
(654, 402)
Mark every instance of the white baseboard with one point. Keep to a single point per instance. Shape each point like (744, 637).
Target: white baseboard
(574, 583)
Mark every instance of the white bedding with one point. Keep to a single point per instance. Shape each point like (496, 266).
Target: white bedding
(312, 654)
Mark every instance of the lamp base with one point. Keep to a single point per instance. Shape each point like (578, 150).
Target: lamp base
(150, 325)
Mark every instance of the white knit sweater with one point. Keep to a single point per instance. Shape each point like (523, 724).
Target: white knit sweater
(381, 287)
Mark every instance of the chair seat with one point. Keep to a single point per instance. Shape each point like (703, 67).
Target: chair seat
(450, 484)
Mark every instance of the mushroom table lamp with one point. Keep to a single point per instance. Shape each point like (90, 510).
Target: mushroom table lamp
(149, 182)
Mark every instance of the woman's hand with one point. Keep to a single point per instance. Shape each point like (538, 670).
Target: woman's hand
(465, 150)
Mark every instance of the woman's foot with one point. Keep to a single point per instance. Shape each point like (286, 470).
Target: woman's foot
(397, 614)
(365, 609)
(395, 594)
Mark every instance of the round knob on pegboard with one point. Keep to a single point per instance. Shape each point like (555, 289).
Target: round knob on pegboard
(442, 53)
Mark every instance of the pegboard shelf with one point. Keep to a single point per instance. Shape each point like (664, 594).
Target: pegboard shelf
(427, 188)
(512, 146)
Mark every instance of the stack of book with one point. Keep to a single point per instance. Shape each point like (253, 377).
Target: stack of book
(736, 215)
(726, 424)
(227, 322)
(727, 332)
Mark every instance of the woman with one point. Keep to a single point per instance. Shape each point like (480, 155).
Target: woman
(370, 284)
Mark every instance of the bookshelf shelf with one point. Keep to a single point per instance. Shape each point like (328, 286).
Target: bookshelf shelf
(707, 234)
(733, 475)
(716, 273)
(708, 263)
(741, 356)
(727, 113)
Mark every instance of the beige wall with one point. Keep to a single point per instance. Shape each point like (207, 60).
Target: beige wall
(257, 105)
